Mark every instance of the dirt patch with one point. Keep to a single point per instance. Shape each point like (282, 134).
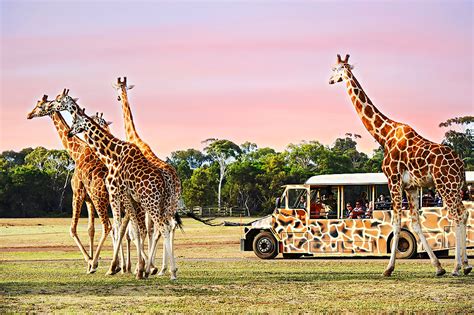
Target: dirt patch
(72, 248)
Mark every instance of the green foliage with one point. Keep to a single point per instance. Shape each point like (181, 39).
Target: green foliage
(461, 141)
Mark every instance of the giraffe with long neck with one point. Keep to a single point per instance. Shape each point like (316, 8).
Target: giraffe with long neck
(411, 161)
(169, 173)
(132, 180)
(87, 184)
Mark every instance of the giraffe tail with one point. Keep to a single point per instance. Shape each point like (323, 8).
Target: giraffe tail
(179, 221)
(200, 219)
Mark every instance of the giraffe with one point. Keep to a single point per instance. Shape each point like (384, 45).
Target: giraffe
(411, 161)
(169, 173)
(87, 184)
(132, 181)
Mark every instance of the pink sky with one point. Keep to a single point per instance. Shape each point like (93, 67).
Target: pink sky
(243, 71)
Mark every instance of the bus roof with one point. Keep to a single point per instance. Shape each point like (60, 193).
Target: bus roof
(359, 179)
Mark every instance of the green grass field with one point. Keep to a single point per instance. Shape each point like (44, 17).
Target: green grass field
(41, 270)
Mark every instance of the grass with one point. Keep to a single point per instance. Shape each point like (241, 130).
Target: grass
(213, 276)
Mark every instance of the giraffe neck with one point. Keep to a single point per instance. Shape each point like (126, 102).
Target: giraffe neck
(131, 133)
(378, 125)
(108, 148)
(130, 130)
(73, 145)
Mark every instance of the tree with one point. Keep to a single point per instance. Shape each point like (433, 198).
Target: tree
(348, 146)
(199, 189)
(185, 161)
(222, 152)
(461, 141)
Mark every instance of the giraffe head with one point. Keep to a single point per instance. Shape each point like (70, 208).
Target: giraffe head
(121, 86)
(80, 123)
(340, 69)
(64, 102)
(99, 118)
(42, 108)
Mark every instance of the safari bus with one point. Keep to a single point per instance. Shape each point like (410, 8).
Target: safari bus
(350, 214)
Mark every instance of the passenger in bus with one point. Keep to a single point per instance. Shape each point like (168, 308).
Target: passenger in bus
(370, 209)
(330, 202)
(363, 200)
(348, 210)
(358, 212)
(302, 202)
(428, 199)
(355, 213)
(382, 202)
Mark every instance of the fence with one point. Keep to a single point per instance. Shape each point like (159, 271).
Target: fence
(219, 212)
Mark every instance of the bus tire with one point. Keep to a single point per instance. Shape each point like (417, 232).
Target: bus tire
(265, 246)
(406, 245)
(292, 256)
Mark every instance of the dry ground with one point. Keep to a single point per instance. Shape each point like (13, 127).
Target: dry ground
(42, 270)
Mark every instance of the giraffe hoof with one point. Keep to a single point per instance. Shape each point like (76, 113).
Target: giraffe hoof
(467, 270)
(455, 273)
(440, 272)
(139, 275)
(154, 271)
(388, 272)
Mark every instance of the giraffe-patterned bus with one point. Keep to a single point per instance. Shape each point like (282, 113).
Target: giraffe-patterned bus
(314, 219)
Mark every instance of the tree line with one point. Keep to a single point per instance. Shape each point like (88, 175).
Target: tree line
(36, 182)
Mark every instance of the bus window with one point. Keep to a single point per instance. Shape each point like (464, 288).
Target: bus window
(357, 198)
(323, 202)
(382, 198)
(430, 198)
(297, 198)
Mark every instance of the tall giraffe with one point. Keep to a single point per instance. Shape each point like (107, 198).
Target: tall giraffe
(169, 173)
(87, 183)
(411, 161)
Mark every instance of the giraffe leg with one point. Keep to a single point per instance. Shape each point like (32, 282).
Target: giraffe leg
(465, 262)
(125, 259)
(173, 267)
(101, 206)
(78, 199)
(152, 251)
(150, 232)
(90, 226)
(457, 253)
(412, 196)
(119, 230)
(467, 268)
(395, 191)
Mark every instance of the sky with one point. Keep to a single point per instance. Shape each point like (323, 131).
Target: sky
(245, 71)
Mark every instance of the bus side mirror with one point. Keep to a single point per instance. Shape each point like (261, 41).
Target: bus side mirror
(277, 203)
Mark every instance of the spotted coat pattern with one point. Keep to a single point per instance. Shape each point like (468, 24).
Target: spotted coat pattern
(298, 234)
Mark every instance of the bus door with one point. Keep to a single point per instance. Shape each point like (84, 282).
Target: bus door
(293, 221)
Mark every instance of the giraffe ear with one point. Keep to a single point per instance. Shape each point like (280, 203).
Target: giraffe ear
(108, 123)
(130, 87)
(346, 60)
(338, 58)
(75, 99)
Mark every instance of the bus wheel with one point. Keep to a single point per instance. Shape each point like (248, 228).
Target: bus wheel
(292, 256)
(406, 245)
(265, 245)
